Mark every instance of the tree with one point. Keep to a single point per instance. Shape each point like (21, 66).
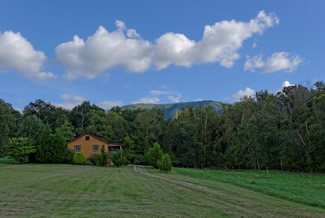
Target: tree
(45, 111)
(67, 130)
(119, 125)
(119, 158)
(7, 124)
(102, 158)
(31, 127)
(97, 124)
(165, 163)
(128, 148)
(77, 116)
(20, 148)
(149, 128)
(52, 148)
(153, 155)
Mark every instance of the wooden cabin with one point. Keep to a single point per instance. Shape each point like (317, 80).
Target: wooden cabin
(90, 144)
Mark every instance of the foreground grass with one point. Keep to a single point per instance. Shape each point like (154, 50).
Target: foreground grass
(304, 188)
(88, 191)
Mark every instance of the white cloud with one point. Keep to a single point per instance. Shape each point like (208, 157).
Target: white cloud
(124, 47)
(199, 99)
(254, 45)
(159, 92)
(282, 61)
(279, 61)
(109, 104)
(286, 84)
(241, 93)
(67, 105)
(220, 43)
(16, 53)
(132, 33)
(253, 63)
(103, 51)
(70, 101)
(68, 97)
(175, 99)
(147, 100)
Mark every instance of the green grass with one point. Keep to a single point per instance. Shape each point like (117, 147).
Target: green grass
(88, 191)
(304, 188)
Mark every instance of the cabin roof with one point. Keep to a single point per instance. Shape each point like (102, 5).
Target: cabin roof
(110, 143)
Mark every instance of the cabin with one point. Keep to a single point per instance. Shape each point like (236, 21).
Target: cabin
(90, 144)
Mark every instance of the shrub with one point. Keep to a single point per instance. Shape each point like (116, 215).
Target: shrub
(139, 159)
(20, 148)
(165, 163)
(153, 155)
(79, 158)
(94, 159)
(103, 157)
(119, 158)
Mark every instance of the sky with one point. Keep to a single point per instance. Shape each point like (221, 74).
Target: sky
(115, 53)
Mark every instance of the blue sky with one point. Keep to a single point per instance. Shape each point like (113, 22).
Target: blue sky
(123, 52)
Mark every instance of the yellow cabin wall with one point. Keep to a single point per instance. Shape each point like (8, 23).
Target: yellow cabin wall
(86, 146)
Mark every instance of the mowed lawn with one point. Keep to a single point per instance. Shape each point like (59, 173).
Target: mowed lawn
(88, 191)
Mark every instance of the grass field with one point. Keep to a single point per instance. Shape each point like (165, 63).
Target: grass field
(84, 191)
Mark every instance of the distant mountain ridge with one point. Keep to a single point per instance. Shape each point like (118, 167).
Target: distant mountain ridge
(171, 110)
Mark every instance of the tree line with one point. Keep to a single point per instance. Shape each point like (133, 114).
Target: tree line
(283, 131)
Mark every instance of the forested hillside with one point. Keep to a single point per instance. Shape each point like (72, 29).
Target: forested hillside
(284, 131)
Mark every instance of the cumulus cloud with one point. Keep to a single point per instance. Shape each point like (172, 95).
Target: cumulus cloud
(109, 104)
(220, 43)
(103, 51)
(175, 99)
(124, 47)
(18, 54)
(279, 61)
(160, 92)
(68, 97)
(70, 101)
(286, 84)
(241, 93)
(147, 100)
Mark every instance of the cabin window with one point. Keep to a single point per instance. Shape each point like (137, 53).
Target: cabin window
(87, 137)
(95, 147)
(77, 148)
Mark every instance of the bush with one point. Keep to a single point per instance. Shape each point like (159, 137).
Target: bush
(20, 148)
(153, 155)
(139, 159)
(119, 159)
(79, 158)
(100, 159)
(165, 163)
(94, 159)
